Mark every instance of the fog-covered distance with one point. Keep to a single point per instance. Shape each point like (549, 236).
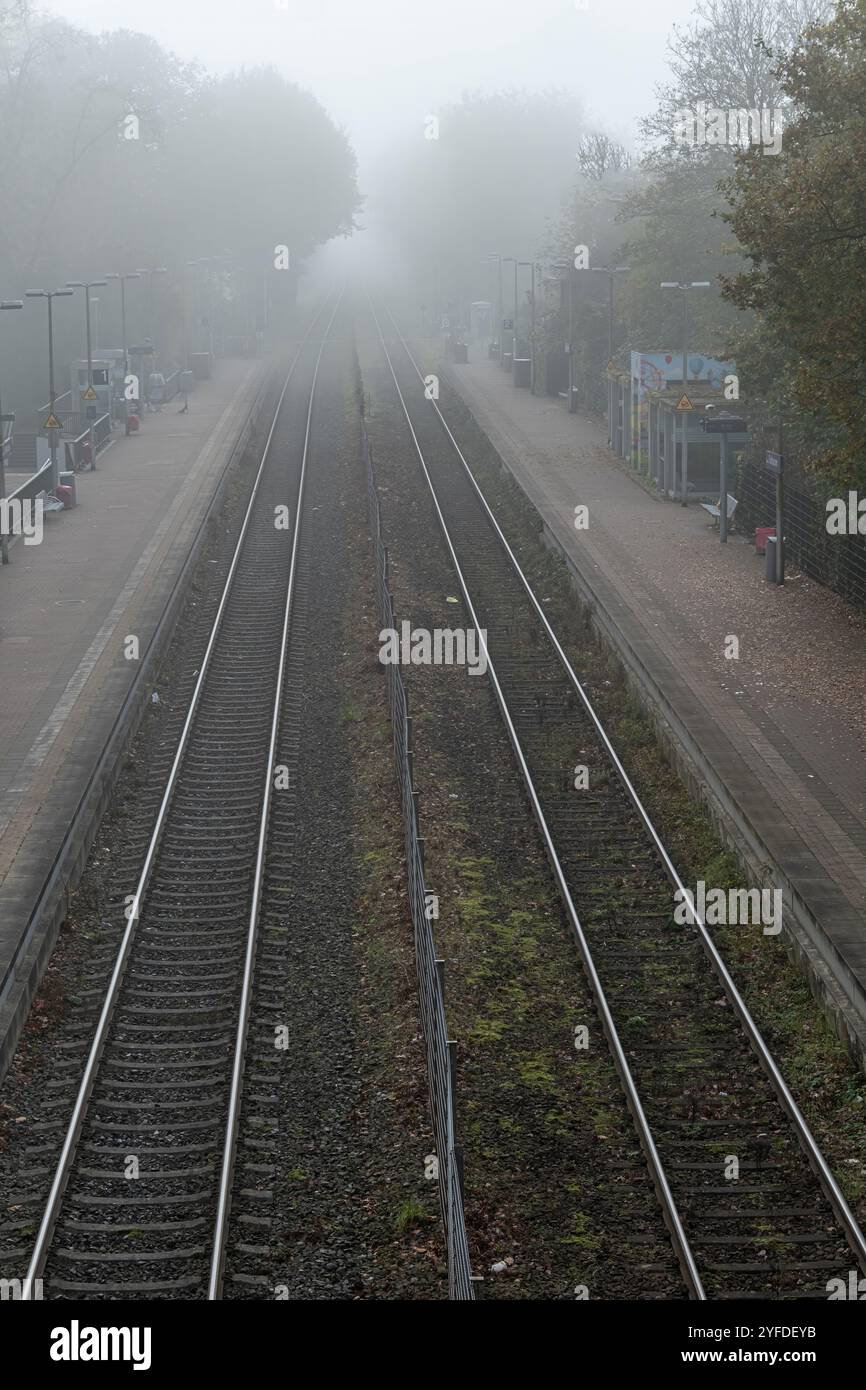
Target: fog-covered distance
(421, 144)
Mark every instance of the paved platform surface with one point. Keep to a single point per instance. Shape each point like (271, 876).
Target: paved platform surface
(785, 724)
(102, 571)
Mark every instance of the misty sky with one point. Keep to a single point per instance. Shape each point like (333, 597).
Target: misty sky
(381, 65)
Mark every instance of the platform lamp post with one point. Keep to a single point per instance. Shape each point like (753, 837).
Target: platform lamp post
(190, 319)
(569, 266)
(685, 286)
(50, 296)
(517, 265)
(488, 290)
(150, 272)
(512, 260)
(492, 256)
(4, 421)
(122, 279)
(533, 265)
(610, 272)
(87, 286)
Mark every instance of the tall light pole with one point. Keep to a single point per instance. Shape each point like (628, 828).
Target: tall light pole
(122, 279)
(4, 420)
(534, 266)
(209, 266)
(492, 256)
(90, 412)
(517, 265)
(190, 302)
(610, 272)
(685, 286)
(569, 266)
(512, 260)
(150, 272)
(488, 290)
(50, 296)
(195, 305)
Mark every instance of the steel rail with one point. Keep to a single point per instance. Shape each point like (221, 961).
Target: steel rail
(682, 1249)
(808, 1143)
(73, 1131)
(233, 1115)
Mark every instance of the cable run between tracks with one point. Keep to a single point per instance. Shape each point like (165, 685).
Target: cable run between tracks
(673, 1220)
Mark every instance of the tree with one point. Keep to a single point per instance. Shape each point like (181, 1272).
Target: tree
(598, 155)
(727, 57)
(483, 180)
(258, 163)
(117, 155)
(801, 218)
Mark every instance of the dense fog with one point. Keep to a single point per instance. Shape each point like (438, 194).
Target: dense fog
(711, 142)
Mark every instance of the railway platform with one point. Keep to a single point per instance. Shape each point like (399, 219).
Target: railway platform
(103, 572)
(776, 736)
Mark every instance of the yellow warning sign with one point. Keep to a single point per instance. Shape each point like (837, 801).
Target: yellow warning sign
(52, 423)
(90, 394)
(684, 403)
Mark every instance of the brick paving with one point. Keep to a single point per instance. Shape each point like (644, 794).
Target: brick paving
(103, 571)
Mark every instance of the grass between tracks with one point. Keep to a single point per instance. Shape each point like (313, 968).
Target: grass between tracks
(827, 1084)
(556, 1190)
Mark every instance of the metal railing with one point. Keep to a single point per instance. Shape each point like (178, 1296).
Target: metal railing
(62, 405)
(439, 1049)
(75, 447)
(839, 562)
(27, 491)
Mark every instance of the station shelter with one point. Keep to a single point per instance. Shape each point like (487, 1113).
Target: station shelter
(646, 427)
(665, 424)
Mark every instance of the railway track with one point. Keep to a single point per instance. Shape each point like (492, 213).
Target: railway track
(701, 1084)
(144, 1173)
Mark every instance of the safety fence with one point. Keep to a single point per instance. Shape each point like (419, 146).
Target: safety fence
(430, 970)
(28, 493)
(838, 561)
(78, 447)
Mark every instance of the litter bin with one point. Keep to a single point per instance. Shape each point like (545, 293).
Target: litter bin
(522, 371)
(66, 489)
